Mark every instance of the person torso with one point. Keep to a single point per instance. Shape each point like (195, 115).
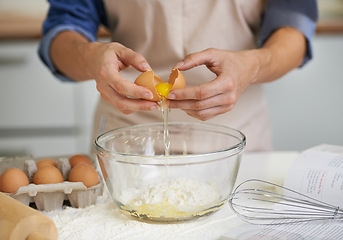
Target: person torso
(165, 31)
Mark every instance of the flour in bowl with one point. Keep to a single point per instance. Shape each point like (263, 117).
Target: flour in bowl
(182, 197)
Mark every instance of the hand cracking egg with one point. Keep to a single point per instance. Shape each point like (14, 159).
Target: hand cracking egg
(157, 86)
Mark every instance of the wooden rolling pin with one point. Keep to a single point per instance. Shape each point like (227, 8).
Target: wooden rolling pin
(21, 222)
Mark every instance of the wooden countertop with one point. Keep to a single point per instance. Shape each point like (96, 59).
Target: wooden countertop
(19, 27)
(23, 19)
(29, 27)
(330, 27)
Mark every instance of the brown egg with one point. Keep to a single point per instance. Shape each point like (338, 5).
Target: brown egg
(84, 173)
(157, 86)
(78, 158)
(12, 179)
(46, 162)
(47, 175)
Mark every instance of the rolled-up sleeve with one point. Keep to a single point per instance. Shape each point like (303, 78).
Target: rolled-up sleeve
(299, 14)
(82, 16)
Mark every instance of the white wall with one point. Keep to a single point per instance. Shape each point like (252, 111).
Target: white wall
(307, 104)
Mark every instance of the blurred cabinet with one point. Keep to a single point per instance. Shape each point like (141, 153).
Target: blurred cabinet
(39, 115)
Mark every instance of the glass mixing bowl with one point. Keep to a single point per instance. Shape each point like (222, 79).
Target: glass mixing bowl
(194, 180)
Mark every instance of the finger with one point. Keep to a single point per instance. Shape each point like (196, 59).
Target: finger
(192, 60)
(198, 105)
(219, 85)
(209, 113)
(124, 104)
(127, 88)
(131, 58)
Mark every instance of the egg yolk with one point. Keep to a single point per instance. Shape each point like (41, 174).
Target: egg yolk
(163, 89)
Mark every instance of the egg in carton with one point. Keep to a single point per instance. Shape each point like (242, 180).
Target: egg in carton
(48, 197)
(81, 197)
(16, 162)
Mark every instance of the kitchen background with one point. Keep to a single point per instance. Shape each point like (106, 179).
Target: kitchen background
(41, 116)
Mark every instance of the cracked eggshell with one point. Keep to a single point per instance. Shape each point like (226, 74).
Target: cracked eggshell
(149, 80)
(176, 79)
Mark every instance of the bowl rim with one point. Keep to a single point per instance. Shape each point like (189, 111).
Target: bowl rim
(172, 159)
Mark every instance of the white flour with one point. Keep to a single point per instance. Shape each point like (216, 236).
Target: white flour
(106, 222)
(183, 194)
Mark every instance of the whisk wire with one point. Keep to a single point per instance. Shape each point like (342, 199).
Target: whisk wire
(259, 206)
(297, 203)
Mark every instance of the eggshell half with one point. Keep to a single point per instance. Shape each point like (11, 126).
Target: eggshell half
(177, 79)
(149, 79)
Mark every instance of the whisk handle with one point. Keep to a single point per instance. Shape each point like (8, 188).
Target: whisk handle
(338, 214)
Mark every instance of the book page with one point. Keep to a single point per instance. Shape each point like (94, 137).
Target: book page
(328, 230)
(318, 173)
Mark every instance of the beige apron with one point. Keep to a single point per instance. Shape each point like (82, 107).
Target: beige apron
(164, 32)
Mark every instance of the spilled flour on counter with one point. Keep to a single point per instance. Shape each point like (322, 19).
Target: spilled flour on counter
(106, 222)
(182, 197)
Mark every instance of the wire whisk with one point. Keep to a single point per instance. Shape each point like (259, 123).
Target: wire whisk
(265, 203)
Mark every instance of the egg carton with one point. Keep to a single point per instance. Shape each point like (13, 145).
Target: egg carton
(49, 197)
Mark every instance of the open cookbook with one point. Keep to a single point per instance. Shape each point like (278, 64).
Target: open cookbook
(318, 173)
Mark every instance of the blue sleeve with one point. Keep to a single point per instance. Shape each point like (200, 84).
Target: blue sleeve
(82, 16)
(299, 14)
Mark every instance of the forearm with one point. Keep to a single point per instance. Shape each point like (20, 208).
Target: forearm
(283, 51)
(69, 55)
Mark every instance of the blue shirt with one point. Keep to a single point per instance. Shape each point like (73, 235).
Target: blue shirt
(85, 17)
